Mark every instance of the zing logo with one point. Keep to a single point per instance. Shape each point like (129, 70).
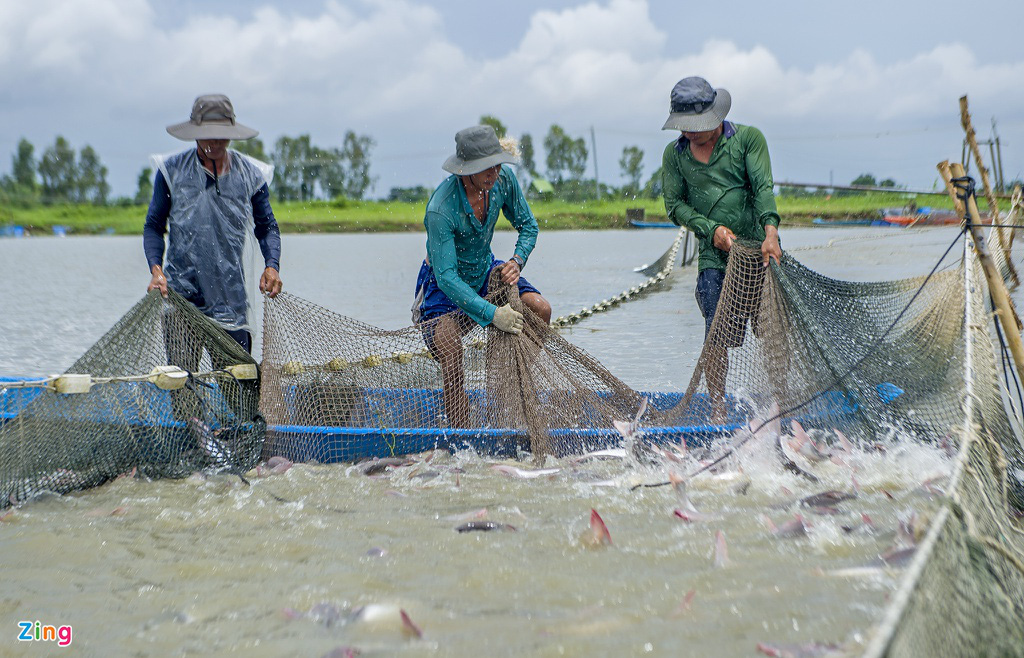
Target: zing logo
(37, 632)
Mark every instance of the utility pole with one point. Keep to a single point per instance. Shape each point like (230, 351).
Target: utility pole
(593, 147)
(995, 154)
(997, 159)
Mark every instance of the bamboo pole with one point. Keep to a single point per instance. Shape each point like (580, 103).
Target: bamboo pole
(993, 207)
(997, 288)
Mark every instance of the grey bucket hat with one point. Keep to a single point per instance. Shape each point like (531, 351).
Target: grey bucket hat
(695, 106)
(476, 149)
(213, 117)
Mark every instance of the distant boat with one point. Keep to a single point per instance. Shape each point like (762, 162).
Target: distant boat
(639, 224)
(820, 221)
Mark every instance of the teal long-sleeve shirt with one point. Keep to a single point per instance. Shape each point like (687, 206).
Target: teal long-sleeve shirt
(459, 245)
(734, 189)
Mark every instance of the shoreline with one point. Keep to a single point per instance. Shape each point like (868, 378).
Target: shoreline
(344, 216)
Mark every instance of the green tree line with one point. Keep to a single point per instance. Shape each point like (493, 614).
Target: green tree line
(302, 171)
(305, 171)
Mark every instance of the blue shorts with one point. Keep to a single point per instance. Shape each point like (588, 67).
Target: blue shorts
(435, 303)
(709, 289)
(708, 293)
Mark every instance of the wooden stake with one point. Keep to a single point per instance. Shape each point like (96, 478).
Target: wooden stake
(993, 207)
(997, 288)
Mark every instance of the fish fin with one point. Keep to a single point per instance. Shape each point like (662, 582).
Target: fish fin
(640, 412)
(843, 441)
(599, 529)
(409, 627)
(721, 558)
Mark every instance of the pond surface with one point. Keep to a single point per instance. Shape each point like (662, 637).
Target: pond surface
(209, 566)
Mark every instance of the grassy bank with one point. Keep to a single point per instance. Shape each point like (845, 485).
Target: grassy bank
(359, 216)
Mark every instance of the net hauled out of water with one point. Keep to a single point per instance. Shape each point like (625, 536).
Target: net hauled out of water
(908, 358)
(444, 379)
(121, 421)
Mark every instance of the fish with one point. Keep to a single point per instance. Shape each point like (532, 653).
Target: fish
(279, 464)
(693, 516)
(628, 430)
(523, 473)
(218, 453)
(906, 531)
(721, 551)
(684, 605)
(468, 516)
(898, 556)
(386, 617)
(829, 498)
(326, 613)
(409, 628)
(812, 650)
(607, 453)
(768, 427)
(381, 465)
(382, 616)
(597, 534)
(803, 444)
(343, 652)
(865, 523)
(485, 526)
(795, 527)
(687, 512)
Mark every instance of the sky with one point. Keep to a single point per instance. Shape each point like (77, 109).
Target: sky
(838, 89)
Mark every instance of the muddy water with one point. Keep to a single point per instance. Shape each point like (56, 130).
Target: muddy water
(208, 566)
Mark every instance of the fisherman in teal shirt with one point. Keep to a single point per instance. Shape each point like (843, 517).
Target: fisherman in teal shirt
(717, 179)
(460, 220)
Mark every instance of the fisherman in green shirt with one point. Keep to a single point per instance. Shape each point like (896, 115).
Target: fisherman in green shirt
(453, 280)
(717, 180)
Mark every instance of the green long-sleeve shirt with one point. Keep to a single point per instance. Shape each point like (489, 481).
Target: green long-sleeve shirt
(734, 189)
(459, 245)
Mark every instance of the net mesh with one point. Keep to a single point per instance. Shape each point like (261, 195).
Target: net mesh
(914, 359)
(336, 389)
(964, 592)
(58, 442)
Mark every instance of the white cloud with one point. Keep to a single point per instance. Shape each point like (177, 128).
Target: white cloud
(109, 71)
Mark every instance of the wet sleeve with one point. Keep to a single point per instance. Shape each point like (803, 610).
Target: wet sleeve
(680, 212)
(156, 221)
(442, 257)
(519, 215)
(759, 171)
(267, 232)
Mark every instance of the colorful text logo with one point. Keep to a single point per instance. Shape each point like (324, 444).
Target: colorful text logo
(34, 631)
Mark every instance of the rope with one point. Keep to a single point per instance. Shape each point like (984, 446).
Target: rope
(632, 293)
(49, 382)
(626, 295)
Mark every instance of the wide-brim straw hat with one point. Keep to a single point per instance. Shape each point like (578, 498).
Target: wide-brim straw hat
(476, 149)
(695, 106)
(213, 117)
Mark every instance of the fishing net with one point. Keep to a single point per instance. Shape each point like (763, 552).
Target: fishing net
(868, 358)
(164, 393)
(963, 594)
(913, 359)
(337, 389)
